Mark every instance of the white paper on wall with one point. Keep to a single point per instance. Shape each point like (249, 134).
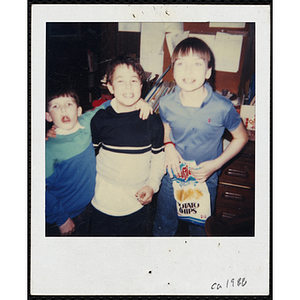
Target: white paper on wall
(173, 27)
(152, 62)
(151, 51)
(226, 49)
(174, 38)
(129, 26)
(227, 24)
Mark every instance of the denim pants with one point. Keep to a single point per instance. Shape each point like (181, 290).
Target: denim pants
(166, 221)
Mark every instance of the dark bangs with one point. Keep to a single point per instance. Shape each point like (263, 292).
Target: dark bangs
(128, 61)
(196, 46)
(62, 92)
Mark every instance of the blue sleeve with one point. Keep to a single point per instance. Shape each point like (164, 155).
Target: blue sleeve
(232, 119)
(167, 103)
(87, 116)
(49, 160)
(55, 212)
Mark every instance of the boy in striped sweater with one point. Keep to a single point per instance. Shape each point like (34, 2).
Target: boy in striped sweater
(131, 157)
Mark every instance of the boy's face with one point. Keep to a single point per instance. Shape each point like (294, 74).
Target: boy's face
(63, 112)
(126, 86)
(191, 71)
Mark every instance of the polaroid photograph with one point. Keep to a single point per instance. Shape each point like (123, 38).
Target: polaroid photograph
(174, 202)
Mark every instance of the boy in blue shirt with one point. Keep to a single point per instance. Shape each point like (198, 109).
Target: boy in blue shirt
(194, 119)
(70, 164)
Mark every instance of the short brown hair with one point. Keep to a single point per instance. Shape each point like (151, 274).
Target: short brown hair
(196, 46)
(62, 92)
(124, 60)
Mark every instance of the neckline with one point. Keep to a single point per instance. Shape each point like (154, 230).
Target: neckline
(123, 114)
(113, 104)
(60, 131)
(204, 102)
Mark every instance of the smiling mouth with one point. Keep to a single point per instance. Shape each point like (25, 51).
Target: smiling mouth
(128, 95)
(65, 119)
(189, 81)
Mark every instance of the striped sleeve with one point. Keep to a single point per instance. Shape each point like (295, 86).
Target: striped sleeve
(96, 130)
(158, 154)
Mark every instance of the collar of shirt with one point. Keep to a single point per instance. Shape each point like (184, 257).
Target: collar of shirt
(61, 131)
(205, 101)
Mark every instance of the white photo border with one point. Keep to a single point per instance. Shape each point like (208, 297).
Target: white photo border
(179, 265)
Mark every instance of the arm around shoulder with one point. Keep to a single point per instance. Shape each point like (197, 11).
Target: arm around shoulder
(88, 115)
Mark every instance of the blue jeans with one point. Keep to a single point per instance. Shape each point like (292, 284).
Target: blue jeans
(166, 221)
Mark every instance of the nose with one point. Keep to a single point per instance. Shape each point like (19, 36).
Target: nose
(189, 68)
(128, 85)
(63, 108)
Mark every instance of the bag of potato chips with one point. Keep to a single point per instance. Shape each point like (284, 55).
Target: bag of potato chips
(192, 197)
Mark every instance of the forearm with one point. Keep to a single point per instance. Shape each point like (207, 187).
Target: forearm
(235, 146)
(240, 139)
(167, 131)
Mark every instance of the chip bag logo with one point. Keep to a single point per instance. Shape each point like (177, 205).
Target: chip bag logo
(185, 172)
(185, 175)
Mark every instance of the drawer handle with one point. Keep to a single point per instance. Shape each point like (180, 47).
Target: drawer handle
(226, 215)
(233, 196)
(237, 173)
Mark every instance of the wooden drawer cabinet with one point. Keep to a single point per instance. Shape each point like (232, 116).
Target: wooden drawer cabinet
(234, 212)
(238, 174)
(233, 201)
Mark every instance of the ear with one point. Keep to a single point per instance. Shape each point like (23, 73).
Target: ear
(110, 88)
(208, 73)
(48, 117)
(79, 111)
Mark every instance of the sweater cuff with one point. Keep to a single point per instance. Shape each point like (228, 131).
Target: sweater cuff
(155, 185)
(62, 219)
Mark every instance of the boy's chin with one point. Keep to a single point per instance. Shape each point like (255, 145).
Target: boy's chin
(66, 127)
(130, 104)
(191, 88)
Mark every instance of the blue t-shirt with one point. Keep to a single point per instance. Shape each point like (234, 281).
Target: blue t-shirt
(197, 131)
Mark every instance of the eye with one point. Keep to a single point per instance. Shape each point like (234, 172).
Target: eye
(199, 63)
(70, 103)
(54, 106)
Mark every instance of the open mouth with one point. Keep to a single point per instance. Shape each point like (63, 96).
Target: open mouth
(65, 119)
(128, 95)
(189, 81)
